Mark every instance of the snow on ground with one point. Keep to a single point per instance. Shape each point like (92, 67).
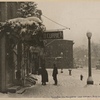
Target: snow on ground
(68, 86)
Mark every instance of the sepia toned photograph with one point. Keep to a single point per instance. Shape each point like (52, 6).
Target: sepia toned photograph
(50, 49)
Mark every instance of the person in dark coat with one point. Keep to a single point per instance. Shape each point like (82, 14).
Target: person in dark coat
(54, 74)
(39, 71)
(44, 75)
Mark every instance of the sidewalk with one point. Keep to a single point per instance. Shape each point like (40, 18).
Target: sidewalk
(68, 86)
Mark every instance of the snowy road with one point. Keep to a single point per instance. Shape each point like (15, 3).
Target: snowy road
(68, 86)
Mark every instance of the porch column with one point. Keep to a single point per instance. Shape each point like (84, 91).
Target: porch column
(19, 59)
(3, 53)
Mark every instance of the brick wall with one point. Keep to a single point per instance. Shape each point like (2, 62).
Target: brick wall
(59, 52)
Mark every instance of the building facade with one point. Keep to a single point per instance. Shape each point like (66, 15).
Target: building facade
(16, 60)
(7, 67)
(56, 51)
(60, 52)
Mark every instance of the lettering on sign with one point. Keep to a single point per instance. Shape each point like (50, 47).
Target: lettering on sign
(53, 35)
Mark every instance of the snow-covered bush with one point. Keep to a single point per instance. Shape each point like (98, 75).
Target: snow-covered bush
(27, 25)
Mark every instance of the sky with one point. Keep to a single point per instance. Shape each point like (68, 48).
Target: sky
(81, 16)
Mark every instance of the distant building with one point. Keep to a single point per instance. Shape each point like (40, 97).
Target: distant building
(60, 52)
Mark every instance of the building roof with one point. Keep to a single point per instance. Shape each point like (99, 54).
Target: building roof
(58, 41)
(54, 30)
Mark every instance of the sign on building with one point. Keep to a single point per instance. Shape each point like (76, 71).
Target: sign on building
(53, 35)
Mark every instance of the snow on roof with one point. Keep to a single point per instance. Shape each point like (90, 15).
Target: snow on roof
(34, 19)
(53, 30)
(28, 20)
(16, 20)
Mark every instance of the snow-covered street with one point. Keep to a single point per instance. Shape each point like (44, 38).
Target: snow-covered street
(68, 86)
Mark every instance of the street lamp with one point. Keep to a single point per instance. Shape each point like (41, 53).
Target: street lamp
(61, 61)
(89, 80)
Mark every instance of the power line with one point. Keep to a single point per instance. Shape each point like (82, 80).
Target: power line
(56, 23)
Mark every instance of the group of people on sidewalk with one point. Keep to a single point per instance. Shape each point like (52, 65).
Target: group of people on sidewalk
(44, 75)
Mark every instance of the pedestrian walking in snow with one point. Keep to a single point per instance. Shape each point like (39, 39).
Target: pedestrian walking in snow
(81, 77)
(39, 71)
(54, 74)
(44, 75)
